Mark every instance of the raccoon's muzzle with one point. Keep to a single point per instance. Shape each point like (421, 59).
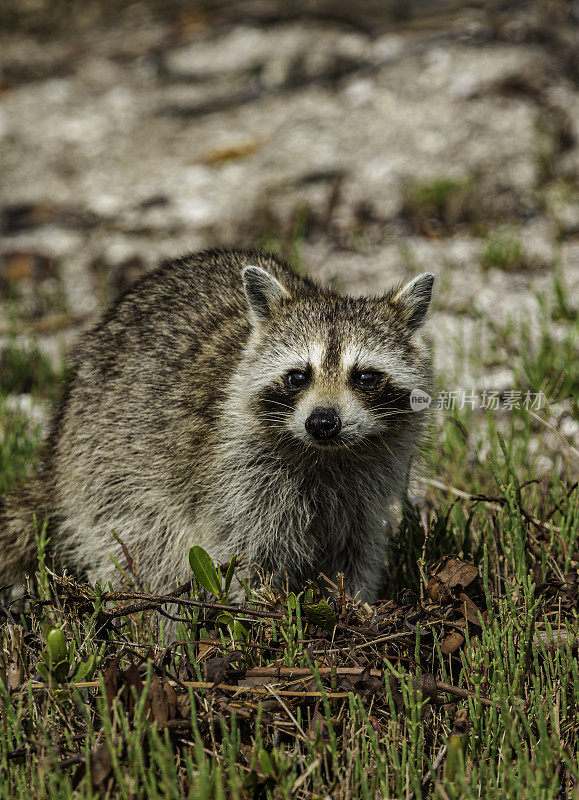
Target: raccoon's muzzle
(324, 424)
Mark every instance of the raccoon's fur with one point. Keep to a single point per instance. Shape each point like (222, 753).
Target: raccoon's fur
(226, 402)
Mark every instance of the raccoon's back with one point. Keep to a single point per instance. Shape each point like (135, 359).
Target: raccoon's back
(149, 378)
(173, 322)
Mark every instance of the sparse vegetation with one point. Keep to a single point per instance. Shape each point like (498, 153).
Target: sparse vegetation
(26, 377)
(503, 250)
(439, 205)
(19, 440)
(544, 356)
(463, 684)
(24, 369)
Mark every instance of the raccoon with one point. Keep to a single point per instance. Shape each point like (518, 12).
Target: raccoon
(227, 402)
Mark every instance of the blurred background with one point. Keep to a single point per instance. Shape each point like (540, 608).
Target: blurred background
(365, 142)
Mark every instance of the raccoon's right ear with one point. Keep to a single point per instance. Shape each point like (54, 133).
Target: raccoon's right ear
(413, 299)
(263, 292)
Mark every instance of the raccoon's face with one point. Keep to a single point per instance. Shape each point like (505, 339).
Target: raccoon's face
(335, 372)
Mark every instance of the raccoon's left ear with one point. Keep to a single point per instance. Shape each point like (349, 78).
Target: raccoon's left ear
(413, 298)
(263, 291)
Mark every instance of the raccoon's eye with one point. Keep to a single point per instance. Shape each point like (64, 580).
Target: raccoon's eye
(297, 379)
(366, 380)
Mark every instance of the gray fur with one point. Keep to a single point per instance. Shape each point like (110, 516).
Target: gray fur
(172, 431)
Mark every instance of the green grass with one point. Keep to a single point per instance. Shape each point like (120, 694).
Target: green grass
(544, 356)
(152, 731)
(503, 251)
(24, 370)
(19, 440)
(439, 205)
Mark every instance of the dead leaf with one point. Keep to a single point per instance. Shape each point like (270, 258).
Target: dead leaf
(112, 681)
(216, 669)
(207, 646)
(452, 642)
(471, 611)
(317, 729)
(428, 686)
(457, 572)
(437, 591)
(159, 705)
(133, 678)
(238, 150)
(100, 764)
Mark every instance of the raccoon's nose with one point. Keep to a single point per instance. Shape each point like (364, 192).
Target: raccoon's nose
(324, 424)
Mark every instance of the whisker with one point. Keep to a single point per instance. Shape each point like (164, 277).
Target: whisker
(277, 403)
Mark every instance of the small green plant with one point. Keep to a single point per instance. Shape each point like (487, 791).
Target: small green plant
(26, 370)
(279, 770)
(19, 440)
(59, 659)
(550, 362)
(439, 205)
(210, 576)
(503, 251)
(213, 579)
(23, 370)
(320, 614)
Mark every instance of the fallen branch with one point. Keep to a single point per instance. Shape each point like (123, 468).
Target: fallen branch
(289, 673)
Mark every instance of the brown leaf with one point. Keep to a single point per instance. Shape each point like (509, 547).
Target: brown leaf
(317, 727)
(457, 572)
(172, 700)
(346, 685)
(164, 703)
(132, 679)
(216, 669)
(207, 646)
(452, 642)
(437, 591)
(159, 704)
(112, 681)
(184, 706)
(100, 764)
(428, 686)
(471, 611)
(366, 683)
